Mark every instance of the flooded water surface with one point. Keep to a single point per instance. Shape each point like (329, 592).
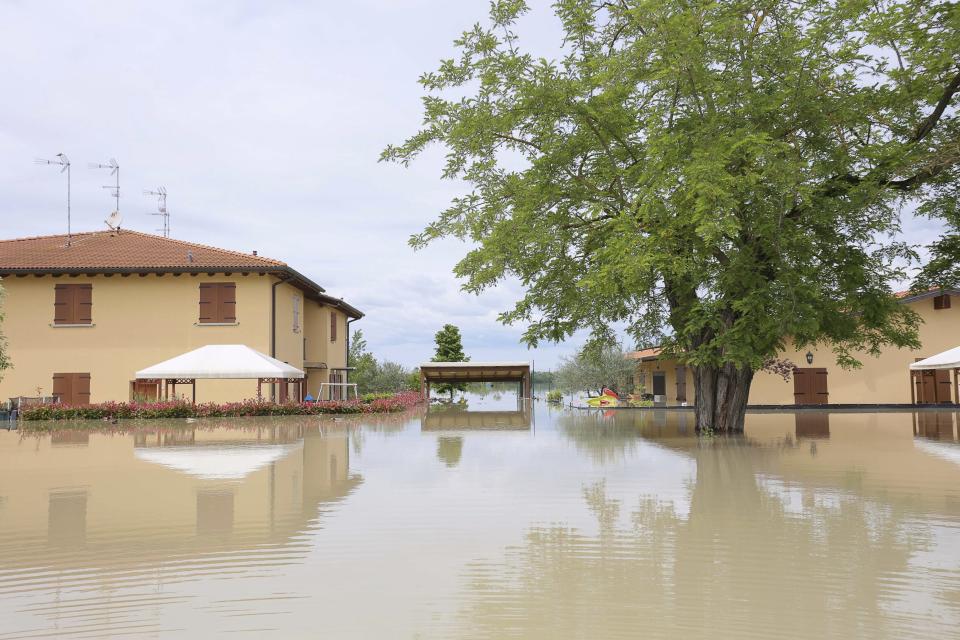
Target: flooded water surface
(485, 522)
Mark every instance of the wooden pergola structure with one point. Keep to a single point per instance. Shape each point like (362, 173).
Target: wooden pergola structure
(466, 372)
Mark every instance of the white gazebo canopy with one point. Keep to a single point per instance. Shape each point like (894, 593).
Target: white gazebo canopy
(949, 359)
(223, 362)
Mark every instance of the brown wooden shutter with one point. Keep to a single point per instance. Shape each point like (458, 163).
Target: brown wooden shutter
(944, 390)
(801, 382)
(73, 304)
(62, 304)
(72, 388)
(942, 301)
(333, 325)
(81, 388)
(218, 302)
(820, 393)
(928, 387)
(681, 384)
(208, 302)
(61, 387)
(83, 299)
(227, 302)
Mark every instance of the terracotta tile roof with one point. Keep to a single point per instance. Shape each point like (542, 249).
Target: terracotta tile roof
(120, 250)
(643, 354)
(128, 251)
(912, 296)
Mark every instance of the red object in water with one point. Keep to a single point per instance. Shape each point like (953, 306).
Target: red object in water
(611, 393)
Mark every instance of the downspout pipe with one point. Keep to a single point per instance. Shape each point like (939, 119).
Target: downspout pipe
(273, 325)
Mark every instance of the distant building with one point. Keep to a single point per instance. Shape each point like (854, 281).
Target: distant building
(81, 319)
(817, 379)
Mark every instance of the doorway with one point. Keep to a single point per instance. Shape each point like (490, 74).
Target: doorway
(932, 386)
(659, 385)
(810, 385)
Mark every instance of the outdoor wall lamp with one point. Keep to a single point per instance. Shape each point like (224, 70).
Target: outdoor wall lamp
(809, 357)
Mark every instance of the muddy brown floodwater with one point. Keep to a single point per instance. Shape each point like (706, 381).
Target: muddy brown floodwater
(485, 522)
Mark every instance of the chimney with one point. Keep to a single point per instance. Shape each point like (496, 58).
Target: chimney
(254, 252)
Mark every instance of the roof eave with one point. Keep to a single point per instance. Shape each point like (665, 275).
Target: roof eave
(928, 294)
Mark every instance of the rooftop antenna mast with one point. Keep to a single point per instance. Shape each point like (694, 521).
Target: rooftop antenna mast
(161, 194)
(114, 188)
(64, 162)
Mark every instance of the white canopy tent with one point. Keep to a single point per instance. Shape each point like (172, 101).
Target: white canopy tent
(930, 378)
(221, 362)
(949, 359)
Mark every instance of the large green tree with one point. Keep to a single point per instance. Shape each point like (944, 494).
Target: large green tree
(719, 176)
(450, 349)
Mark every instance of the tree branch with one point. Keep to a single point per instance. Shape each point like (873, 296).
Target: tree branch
(931, 121)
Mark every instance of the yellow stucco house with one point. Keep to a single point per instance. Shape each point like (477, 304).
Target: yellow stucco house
(82, 316)
(817, 379)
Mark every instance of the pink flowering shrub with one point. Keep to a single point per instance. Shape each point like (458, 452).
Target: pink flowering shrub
(245, 408)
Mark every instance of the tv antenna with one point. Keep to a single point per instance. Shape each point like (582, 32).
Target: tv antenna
(161, 211)
(64, 162)
(114, 171)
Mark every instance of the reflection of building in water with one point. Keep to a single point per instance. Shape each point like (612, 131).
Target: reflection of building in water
(936, 425)
(145, 509)
(453, 419)
(67, 518)
(812, 424)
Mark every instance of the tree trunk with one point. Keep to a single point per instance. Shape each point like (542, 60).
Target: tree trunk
(721, 398)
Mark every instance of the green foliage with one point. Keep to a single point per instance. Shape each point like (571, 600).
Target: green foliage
(4, 359)
(544, 377)
(375, 376)
(365, 365)
(450, 450)
(449, 349)
(555, 396)
(449, 345)
(715, 175)
(595, 367)
(413, 379)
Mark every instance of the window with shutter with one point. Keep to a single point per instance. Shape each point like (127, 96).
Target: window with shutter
(72, 388)
(333, 326)
(218, 303)
(73, 304)
(296, 314)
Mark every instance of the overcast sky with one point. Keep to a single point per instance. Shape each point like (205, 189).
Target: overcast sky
(264, 121)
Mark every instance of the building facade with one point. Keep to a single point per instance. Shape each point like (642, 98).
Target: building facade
(818, 379)
(81, 316)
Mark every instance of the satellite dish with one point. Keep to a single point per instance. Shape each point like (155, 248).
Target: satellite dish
(113, 220)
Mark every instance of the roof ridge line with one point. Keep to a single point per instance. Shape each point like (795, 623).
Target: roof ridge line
(206, 246)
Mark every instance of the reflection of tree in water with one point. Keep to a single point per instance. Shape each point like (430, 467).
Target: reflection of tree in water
(449, 450)
(749, 559)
